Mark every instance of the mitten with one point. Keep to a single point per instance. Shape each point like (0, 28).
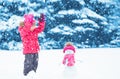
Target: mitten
(42, 18)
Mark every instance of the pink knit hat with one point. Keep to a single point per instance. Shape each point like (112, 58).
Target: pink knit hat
(29, 18)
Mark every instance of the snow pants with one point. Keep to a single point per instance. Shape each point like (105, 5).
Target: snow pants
(30, 63)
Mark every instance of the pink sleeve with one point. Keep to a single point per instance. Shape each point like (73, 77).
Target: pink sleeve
(64, 60)
(41, 27)
(73, 58)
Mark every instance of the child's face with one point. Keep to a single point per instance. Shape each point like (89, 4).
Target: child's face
(69, 52)
(33, 27)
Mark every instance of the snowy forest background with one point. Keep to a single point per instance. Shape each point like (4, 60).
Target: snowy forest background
(86, 23)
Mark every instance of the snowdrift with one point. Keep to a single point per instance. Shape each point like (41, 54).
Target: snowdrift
(96, 63)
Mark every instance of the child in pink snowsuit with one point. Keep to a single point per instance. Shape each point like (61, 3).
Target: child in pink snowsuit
(69, 51)
(29, 36)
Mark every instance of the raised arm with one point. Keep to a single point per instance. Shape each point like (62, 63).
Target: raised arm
(41, 24)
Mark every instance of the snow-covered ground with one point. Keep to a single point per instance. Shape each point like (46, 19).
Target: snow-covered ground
(95, 63)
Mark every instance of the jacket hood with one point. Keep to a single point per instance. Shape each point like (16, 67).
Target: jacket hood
(29, 18)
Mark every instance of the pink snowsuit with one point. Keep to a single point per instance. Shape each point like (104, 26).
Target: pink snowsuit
(69, 59)
(30, 38)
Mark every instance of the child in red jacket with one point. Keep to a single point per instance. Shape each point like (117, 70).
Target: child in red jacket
(29, 36)
(69, 50)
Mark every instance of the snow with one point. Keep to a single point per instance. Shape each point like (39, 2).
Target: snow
(93, 63)
(13, 23)
(53, 0)
(24, 1)
(80, 28)
(90, 13)
(83, 21)
(66, 30)
(71, 11)
(104, 1)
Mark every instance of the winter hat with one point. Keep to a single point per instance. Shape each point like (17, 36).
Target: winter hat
(68, 46)
(29, 18)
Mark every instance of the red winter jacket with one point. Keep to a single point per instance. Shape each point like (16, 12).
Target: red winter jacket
(30, 38)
